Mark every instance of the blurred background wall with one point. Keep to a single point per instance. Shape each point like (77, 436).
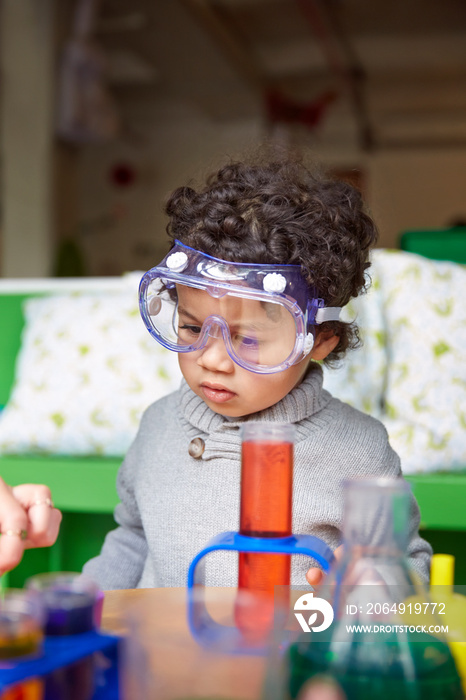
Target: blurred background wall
(107, 106)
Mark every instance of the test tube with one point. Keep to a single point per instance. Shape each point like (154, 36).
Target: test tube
(265, 511)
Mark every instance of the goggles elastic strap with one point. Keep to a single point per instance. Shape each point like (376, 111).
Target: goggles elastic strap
(330, 313)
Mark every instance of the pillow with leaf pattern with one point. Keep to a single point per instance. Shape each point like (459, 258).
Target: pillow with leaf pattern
(424, 305)
(360, 378)
(86, 370)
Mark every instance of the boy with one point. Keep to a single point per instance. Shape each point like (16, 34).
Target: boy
(262, 259)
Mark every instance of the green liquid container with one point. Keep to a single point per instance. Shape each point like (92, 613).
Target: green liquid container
(421, 668)
(370, 649)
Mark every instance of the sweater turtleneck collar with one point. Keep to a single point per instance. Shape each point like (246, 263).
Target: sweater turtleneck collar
(222, 435)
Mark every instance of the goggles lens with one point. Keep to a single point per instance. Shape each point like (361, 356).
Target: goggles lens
(263, 313)
(257, 332)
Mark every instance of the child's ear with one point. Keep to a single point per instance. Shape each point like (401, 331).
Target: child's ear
(324, 343)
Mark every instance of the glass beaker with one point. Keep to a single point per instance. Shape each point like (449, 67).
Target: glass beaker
(21, 624)
(70, 601)
(370, 648)
(265, 511)
(21, 637)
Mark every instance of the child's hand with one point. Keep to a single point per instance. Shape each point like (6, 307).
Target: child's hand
(314, 576)
(27, 519)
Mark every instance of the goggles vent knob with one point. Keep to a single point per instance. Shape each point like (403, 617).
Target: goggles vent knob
(308, 344)
(274, 282)
(154, 305)
(216, 292)
(176, 262)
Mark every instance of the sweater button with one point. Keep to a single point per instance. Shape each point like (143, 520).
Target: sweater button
(196, 447)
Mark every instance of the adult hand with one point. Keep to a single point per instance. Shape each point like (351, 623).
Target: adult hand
(27, 519)
(314, 576)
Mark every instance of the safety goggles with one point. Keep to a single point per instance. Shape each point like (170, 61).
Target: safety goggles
(265, 314)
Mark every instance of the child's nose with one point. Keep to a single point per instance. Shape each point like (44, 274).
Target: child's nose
(214, 356)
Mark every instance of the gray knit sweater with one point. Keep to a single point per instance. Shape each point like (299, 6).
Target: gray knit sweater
(172, 504)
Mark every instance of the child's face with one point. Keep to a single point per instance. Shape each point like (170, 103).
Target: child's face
(226, 387)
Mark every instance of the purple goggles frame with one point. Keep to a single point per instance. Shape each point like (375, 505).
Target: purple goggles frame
(282, 284)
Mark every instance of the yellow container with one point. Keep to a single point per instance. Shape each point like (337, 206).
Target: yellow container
(441, 591)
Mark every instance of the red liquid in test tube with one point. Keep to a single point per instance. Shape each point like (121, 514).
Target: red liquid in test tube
(266, 511)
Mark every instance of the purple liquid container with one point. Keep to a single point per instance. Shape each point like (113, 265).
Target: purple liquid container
(72, 603)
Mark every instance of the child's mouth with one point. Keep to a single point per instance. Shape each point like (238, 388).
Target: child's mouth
(217, 394)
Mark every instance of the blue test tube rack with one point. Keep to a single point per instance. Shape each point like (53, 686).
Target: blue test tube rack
(60, 652)
(207, 631)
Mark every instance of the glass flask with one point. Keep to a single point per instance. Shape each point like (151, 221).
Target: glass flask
(377, 646)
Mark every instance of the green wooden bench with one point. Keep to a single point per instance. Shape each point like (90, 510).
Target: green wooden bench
(442, 497)
(437, 244)
(82, 487)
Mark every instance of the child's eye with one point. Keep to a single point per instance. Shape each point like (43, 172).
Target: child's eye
(195, 330)
(247, 342)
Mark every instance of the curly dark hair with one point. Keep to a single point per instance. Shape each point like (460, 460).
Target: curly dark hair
(282, 212)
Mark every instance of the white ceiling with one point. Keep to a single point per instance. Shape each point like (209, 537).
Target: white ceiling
(397, 69)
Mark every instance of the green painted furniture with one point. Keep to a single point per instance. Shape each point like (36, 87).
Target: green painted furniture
(438, 244)
(442, 497)
(82, 487)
